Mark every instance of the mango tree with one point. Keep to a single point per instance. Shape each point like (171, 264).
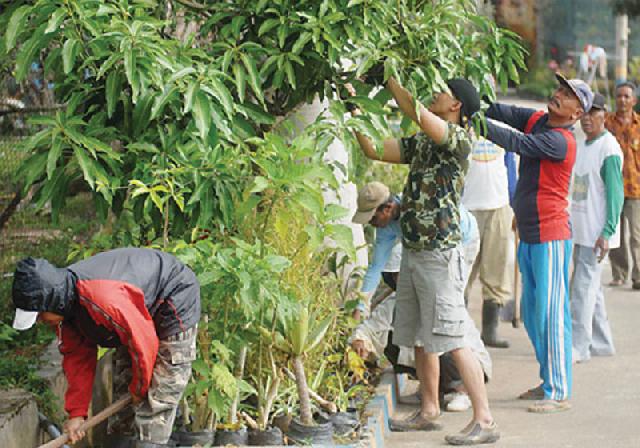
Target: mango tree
(175, 120)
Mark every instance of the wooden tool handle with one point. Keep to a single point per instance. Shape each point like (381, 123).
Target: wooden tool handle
(91, 422)
(515, 323)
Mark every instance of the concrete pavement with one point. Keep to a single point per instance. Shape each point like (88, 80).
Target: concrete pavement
(606, 393)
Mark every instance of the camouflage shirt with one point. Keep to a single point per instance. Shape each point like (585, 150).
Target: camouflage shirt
(430, 216)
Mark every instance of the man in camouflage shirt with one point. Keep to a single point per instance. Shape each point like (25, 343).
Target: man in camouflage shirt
(430, 310)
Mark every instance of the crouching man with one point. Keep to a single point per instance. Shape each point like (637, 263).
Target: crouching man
(144, 303)
(373, 337)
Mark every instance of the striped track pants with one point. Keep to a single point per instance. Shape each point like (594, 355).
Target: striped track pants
(546, 313)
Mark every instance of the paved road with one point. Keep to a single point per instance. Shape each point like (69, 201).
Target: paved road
(606, 401)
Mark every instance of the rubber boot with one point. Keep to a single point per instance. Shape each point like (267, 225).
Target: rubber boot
(490, 319)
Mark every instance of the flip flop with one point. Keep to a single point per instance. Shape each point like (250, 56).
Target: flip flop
(549, 406)
(535, 393)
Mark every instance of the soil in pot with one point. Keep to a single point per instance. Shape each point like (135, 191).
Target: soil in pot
(268, 437)
(236, 437)
(183, 439)
(319, 434)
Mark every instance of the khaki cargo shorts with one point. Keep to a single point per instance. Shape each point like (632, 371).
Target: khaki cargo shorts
(430, 309)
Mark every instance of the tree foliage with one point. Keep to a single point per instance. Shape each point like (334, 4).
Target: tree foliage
(175, 118)
(630, 7)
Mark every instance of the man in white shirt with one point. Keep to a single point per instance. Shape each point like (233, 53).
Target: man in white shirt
(597, 199)
(488, 185)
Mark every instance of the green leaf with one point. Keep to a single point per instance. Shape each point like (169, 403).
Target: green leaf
(254, 76)
(161, 101)
(301, 42)
(299, 330)
(16, 26)
(69, 52)
(56, 20)
(259, 184)
(222, 94)
(130, 65)
(267, 26)
(189, 96)
(181, 74)
(291, 77)
(318, 333)
(86, 165)
(32, 169)
(256, 114)
(342, 236)
(114, 84)
(334, 212)
(241, 80)
(367, 104)
(202, 114)
(53, 156)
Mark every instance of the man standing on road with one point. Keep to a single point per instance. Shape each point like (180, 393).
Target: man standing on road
(547, 149)
(430, 313)
(143, 302)
(624, 124)
(597, 200)
(487, 190)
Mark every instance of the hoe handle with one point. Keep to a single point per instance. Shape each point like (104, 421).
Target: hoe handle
(91, 422)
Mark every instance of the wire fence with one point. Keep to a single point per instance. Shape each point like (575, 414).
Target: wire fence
(20, 224)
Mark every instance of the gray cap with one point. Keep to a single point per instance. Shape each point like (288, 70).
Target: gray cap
(580, 89)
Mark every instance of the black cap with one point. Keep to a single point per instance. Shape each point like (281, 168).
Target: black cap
(467, 94)
(599, 102)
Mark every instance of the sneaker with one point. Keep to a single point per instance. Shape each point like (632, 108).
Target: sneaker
(549, 406)
(616, 282)
(474, 434)
(459, 402)
(416, 422)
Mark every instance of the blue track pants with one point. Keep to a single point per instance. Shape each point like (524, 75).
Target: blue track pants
(546, 313)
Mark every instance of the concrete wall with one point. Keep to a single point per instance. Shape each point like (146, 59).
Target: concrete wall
(18, 419)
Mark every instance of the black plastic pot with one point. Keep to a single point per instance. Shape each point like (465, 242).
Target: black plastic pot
(318, 434)
(183, 439)
(268, 437)
(344, 423)
(236, 437)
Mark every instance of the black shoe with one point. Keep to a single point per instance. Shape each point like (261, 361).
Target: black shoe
(636, 285)
(490, 319)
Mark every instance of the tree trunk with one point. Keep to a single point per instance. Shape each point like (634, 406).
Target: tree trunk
(303, 391)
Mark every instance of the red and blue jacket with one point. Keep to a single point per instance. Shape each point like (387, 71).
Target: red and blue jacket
(131, 297)
(547, 155)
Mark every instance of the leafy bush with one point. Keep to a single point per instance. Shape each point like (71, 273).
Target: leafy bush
(177, 120)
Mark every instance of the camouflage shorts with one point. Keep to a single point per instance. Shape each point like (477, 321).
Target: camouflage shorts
(152, 419)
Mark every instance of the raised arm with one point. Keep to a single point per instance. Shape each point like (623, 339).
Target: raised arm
(551, 145)
(432, 125)
(390, 147)
(514, 116)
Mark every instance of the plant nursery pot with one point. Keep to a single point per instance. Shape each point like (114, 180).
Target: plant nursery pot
(268, 437)
(318, 434)
(183, 439)
(344, 423)
(236, 437)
